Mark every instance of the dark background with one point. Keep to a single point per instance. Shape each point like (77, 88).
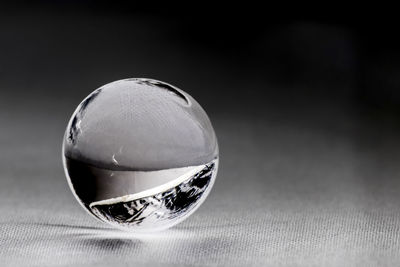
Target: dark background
(306, 110)
(245, 59)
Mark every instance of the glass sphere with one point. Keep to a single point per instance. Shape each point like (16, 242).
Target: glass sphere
(140, 154)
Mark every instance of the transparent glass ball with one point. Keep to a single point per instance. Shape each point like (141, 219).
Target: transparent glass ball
(140, 154)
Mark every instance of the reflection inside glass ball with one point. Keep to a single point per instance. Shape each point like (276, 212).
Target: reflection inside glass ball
(140, 154)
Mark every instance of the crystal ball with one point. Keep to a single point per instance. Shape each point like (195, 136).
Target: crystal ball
(140, 154)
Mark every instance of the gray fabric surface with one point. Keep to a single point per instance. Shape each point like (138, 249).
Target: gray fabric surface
(289, 193)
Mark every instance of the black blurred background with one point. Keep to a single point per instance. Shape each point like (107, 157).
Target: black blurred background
(243, 57)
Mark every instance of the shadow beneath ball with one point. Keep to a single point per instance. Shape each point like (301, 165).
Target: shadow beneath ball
(93, 238)
(99, 243)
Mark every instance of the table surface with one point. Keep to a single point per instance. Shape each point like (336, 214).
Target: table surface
(301, 183)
